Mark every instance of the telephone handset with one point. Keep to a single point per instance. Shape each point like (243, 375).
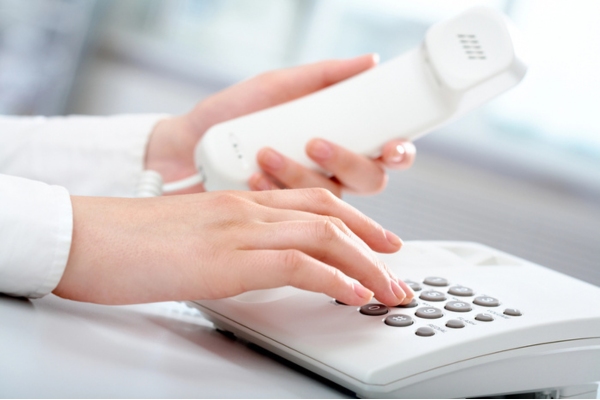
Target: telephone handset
(462, 63)
(483, 323)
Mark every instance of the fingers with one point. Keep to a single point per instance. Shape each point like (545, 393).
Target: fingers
(275, 87)
(305, 79)
(358, 173)
(322, 202)
(286, 221)
(273, 268)
(330, 241)
(288, 173)
(353, 172)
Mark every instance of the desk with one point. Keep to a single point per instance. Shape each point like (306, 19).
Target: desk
(54, 348)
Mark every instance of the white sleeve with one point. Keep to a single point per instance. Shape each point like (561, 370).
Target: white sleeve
(96, 156)
(91, 156)
(36, 224)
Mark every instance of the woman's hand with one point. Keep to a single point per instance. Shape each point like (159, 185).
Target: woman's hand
(172, 143)
(220, 244)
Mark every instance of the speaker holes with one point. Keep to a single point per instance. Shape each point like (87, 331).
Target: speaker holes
(471, 46)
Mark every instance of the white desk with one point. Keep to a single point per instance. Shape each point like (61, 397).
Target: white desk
(54, 348)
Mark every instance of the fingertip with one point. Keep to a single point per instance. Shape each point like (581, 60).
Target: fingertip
(364, 295)
(260, 182)
(319, 150)
(410, 294)
(365, 61)
(393, 239)
(398, 154)
(398, 291)
(376, 58)
(270, 159)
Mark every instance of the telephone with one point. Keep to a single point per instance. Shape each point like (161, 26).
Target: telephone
(462, 63)
(483, 323)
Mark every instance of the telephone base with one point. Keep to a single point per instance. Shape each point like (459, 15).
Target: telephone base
(588, 391)
(485, 323)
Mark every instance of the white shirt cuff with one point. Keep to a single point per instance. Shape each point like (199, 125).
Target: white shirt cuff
(36, 232)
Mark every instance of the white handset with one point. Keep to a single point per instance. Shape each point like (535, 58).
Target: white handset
(462, 63)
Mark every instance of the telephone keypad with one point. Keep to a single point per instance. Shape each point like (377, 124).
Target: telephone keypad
(430, 313)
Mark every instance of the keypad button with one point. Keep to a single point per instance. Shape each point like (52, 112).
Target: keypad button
(484, 317)
(461, 291)
(455, 324)
(400, 320)
(513, 312)
(486, 301)
(429, 313)
(458, 306)
(432, 295)
(425, 331)
(435, 281)
(412, 304)
(373, 309)
(415, 286)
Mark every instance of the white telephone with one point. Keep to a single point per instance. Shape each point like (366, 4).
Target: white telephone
(484, 323)
(462, 63)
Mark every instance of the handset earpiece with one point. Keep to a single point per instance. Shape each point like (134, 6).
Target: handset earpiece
(463, 62)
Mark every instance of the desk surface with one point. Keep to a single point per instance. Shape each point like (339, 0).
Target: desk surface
(57, 348)
(54, 348)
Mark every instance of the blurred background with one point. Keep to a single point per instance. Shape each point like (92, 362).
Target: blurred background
(521, 174)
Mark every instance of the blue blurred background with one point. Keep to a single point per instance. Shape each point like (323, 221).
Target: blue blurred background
(521, 174)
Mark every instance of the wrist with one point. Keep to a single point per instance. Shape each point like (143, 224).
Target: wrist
(170, 149)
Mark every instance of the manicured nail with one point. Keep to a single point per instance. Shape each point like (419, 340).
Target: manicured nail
(398, 292)
(410, 294)
(362, 291)
(393, 239)
(320, 149)
(376, 58)
(398, 155)
(271, 159)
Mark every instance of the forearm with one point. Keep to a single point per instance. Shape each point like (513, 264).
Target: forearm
(220, 244)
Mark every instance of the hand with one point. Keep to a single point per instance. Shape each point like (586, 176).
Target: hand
(172, 143)
(350, 172)
(220, 244)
